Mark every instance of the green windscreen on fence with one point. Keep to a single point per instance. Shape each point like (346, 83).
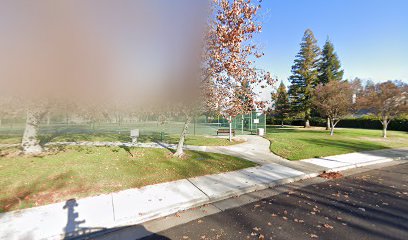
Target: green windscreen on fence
(151, 126)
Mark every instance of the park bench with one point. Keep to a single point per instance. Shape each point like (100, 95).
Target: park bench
(225, 130)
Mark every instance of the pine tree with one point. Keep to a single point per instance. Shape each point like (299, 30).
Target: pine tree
(329, 67)
(281, 103)
(304, 76)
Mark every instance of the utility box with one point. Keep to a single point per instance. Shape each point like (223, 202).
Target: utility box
(134, 134)
(261, 131)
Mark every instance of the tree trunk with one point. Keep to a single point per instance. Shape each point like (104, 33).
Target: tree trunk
(328, 126)
(179, 151)
(385, 125)
(282, 123)
(331, 122)
(307, 118)
(30, 142)
(48, 118)
(307, 123)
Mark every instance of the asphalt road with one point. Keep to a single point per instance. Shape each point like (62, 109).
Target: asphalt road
(370, 205)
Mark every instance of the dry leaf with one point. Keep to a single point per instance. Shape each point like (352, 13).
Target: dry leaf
(328, 226)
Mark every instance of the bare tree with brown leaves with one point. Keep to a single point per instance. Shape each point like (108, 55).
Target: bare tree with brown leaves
(334, 100)
(385, 100)
(228, 74)
(229, 61)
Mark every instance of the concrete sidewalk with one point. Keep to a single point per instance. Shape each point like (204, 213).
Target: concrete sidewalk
(257, 149)
(133, 206)
(358, 159)
(77, 217)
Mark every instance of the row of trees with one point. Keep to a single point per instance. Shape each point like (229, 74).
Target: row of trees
(311, 68)
(317, 84)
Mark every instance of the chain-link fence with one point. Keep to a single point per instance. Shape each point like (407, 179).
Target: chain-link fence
(201, 125)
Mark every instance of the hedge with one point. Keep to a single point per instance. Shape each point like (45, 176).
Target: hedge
(396, 124)
(363, 122)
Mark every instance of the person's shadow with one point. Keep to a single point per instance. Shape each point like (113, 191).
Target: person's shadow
(72, 226)
(73, 230)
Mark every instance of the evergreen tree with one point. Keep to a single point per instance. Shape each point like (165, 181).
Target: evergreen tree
(304, 76)
(281, 103)
(329, 67)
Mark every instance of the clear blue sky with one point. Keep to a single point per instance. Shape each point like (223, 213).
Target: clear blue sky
(370, 36)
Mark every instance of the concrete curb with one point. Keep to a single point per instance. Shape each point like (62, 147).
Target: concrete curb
(159, 213)
(188, 205)
(357, 159)
(134, 206)
(153, 215)
(338, 169)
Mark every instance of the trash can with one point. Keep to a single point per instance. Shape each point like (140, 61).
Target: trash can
(261, 132)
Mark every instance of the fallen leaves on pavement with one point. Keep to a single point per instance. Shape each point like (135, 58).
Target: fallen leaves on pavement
(331, 175)
(328, 226)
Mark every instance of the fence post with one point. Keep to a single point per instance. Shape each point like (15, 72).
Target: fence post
(250, 124)
(194, 125)
(242, 124)
(230, 129)
(265, 123)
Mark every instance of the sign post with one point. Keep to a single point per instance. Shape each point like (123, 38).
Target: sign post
(256, 121)
(134, 134)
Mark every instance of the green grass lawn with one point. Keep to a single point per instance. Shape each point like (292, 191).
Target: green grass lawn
(85, 171)
(203, 140)
(196, 140)
(299, 143)
(9, 139)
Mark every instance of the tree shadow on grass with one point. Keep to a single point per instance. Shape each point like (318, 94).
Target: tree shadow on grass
(282, 130)
(127, 149)
(48, 137)
(201, 162)
(83, 137)
(352, 146)
(24, 196)
(166, 146)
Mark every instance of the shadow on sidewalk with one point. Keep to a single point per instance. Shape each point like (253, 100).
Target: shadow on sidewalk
(73, 230)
